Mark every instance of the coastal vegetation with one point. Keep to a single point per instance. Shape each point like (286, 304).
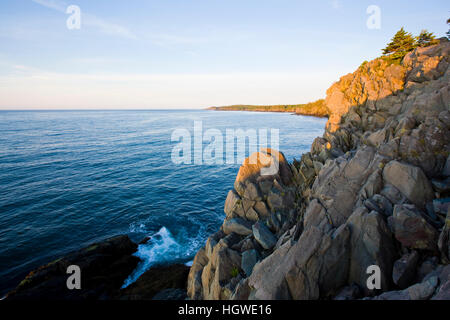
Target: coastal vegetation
(404, 42)
(316, 108)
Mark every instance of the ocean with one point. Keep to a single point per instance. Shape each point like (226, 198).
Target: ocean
(70, 178)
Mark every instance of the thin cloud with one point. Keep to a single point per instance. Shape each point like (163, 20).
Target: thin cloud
(106, 27)
(52, 4)
(90, 20)
(336, 4)
(168, 39)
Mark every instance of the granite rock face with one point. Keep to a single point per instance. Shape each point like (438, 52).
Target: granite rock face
(372, 192)
(259, 209)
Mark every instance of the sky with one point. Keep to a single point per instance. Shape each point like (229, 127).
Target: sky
(146, 54)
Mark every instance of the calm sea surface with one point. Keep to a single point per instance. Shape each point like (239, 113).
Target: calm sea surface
(69, 178)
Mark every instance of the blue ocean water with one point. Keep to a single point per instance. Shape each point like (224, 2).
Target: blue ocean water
(69, 178)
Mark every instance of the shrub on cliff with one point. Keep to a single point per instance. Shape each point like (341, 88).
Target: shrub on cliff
(448, 32)
(402, 43)
(426, 39)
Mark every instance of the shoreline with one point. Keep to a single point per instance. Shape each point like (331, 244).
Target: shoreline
(317, 108)
(272, 111)
(309, 211)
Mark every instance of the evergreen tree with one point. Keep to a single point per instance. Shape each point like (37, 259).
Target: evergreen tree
(401, 43)
(448, 32)
(426, 39)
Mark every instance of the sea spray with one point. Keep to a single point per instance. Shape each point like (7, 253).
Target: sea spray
(162, 248)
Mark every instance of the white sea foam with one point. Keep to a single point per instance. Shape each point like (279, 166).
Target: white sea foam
(161, 248)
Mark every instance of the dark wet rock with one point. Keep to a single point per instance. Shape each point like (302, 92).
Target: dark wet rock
(405, 270)
(444, 240)
(441, 186)
(429, 265)
(441, 206)
(158, 283)
(349, 293)
(104, 267)
(171, 294)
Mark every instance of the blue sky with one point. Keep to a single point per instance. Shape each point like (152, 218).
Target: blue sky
(191, 54)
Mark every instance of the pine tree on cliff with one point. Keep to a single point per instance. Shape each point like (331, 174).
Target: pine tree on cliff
(402, 43)
(448, 32)
(426, 39)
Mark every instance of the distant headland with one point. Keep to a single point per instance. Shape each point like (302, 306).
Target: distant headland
(316, 109)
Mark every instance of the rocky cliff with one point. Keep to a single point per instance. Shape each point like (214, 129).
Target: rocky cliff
(374, 190)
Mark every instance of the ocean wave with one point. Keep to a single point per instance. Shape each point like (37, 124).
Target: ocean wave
(163, 248)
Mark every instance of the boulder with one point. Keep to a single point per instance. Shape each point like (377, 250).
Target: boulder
(237, 225)
(194, 283)
(412, 230)
(263, 235)
(352, 292)
(262, 210)
(316, 265)
(233, 205)
(372, 186)
(322, 269)
(242, 291)
(339, 182)
(443, 293)
(441, 205)
(249, 259)
(393, 194)
(441, 186)
(377, 138)
(405, 270)
(267, 163)
(419, 291)
(251, 215)
(444, 240)
(410, 180)
(426, 267)
(315, 215)
(219, 271)
(371, 244)
(446, 170)
(384, 204)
